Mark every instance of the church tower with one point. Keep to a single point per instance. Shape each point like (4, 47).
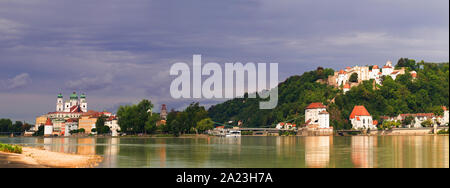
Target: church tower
(59, 103)
(83, 103)
(73, 99)
(163, 113)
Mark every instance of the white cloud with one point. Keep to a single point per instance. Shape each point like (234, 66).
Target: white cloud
(18, 81)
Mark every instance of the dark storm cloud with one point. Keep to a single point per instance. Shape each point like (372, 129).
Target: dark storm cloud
(124, 49)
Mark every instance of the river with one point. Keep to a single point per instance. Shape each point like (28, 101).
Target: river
(256, 152)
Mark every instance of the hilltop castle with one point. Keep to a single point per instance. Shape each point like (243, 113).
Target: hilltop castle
(342, 77)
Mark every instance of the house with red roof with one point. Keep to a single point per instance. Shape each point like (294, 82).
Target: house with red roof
(316, 115)
(48, 127)
(361, 118)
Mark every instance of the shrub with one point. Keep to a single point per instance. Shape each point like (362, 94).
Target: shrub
(10, 148)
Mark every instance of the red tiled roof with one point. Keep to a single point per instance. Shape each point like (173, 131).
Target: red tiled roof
(375, 67)
(417, 115)
(323, 112)
(309, 121)
(315, 105)
(359, 111)
(444, 108)
(385, 67)
(341, 72)
(395, 72)
(347, 86)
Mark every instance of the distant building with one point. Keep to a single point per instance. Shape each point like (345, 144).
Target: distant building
(48, 128)
(87, 123)
(286, 126)
(163, 113)
(346, 88)
(342, 77)
(40, 121)
(316, 115)
(113, 125)
(70, 125)
(361, 118)
(418, 119)
(445, 118)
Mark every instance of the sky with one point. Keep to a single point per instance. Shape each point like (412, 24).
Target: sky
(119, 52)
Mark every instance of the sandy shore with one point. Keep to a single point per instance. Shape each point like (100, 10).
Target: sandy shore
(38, 158)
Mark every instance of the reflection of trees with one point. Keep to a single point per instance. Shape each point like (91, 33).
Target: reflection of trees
(363, 151)
(317, 151)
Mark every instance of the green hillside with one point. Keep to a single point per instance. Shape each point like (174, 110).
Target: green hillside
(427, 93)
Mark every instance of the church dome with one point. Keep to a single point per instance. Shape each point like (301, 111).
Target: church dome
(83, 96)
(74, 96)
(60, 96)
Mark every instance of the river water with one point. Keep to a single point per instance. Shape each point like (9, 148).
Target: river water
(257, 152)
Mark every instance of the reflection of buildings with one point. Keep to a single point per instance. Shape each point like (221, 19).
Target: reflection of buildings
(111, 153)
(317, 151)
(86, 146)
(363, 151)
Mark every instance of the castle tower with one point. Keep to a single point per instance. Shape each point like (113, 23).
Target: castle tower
(83, 103)
(163, 113)
(59, 103)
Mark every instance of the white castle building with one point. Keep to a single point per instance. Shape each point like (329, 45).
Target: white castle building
(342, 77)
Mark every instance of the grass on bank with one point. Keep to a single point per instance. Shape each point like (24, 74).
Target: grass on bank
(10, 148)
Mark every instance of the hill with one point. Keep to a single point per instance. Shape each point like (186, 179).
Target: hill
(427, 93)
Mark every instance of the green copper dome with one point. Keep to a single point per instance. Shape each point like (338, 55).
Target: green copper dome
(60, 96)
(83, 96)
(73, 96)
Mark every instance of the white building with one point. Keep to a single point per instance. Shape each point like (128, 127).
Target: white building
(324, 120)
(387, 69)
(70, 125)
(48, 128)
(316, 115)
(361, 118)
(113, 125)
(445, 118)
(73, 104)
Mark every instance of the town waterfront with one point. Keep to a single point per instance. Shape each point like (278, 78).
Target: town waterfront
(255, 151)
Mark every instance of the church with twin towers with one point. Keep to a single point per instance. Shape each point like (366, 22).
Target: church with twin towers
(74, 104)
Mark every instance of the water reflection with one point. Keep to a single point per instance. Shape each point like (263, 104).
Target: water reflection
(317, 151)
(364, 151)
(263, 152)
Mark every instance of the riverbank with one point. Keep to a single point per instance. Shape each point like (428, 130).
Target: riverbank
(39, 158)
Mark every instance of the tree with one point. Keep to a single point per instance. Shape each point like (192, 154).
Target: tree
(132, 119)
(204, 125)
(150, 125)
(427, 123)
(100, 126)
(353, 77)
(408, 121)
(40, 131)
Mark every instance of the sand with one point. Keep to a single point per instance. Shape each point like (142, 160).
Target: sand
(39, 158)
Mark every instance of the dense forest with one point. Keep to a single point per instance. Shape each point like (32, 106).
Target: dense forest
(427, 93)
